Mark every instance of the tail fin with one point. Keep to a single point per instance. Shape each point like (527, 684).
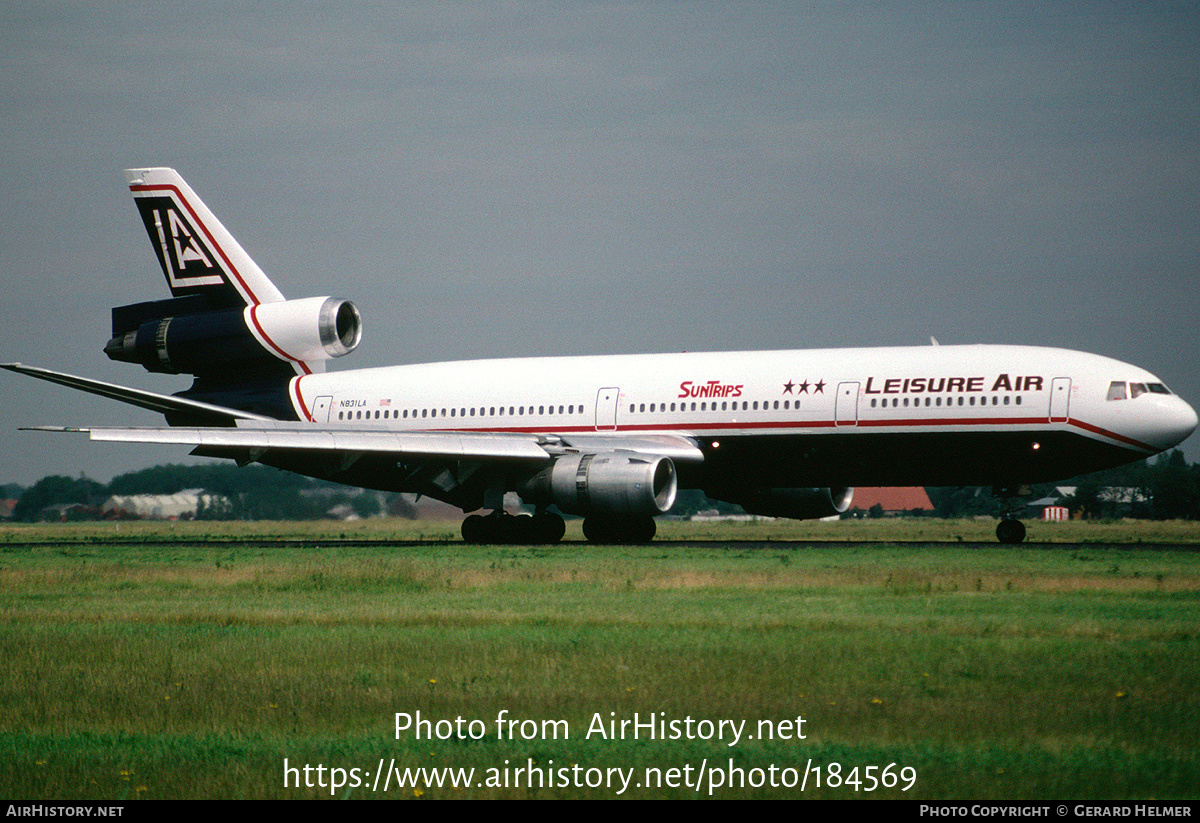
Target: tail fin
(198, 255)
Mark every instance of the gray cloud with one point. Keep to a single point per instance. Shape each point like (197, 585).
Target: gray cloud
(534, 178)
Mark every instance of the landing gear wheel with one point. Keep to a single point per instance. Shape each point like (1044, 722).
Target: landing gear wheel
(1010, 531)
(548, 527)
(503, 528)
(474, 529)
(627, 530)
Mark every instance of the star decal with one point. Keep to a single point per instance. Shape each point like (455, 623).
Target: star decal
(804, 387)
(820, 387)
(184, 240)
(787, 387)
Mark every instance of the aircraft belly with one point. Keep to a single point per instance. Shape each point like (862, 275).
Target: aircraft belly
(863, 458)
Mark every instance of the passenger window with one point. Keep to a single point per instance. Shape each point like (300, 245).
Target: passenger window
(1116, 390)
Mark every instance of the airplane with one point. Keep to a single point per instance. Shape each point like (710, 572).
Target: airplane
(610, 438)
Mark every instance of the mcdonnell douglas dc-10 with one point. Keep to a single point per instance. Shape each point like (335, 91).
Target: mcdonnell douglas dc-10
(782, 433)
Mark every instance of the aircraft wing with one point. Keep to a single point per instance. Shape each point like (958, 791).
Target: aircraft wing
(262, 436)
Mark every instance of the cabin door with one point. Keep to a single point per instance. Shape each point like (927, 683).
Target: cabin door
(846, 406)
(321, 407)
(1060, 399)
(606, 409)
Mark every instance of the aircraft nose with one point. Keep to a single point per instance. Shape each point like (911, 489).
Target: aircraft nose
(1178, 422)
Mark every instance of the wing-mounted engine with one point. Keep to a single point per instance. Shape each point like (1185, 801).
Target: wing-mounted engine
(606, 484)
(796, 504)
(187, 335)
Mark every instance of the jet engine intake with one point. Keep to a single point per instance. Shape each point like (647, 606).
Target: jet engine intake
(609, 483)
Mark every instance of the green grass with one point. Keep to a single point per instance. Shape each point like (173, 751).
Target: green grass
(881, 530)
(131, 671)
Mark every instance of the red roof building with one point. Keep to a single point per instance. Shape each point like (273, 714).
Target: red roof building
(892, 499)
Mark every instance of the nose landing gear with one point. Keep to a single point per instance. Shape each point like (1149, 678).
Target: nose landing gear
(1010, 531)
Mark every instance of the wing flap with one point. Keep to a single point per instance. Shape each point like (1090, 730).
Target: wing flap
(286, 436)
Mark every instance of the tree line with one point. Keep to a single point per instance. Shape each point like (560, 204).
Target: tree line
(251, 493)
(1163, 488)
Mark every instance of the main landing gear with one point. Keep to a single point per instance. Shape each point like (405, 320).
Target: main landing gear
(546, 527)
(627, 530)
(502, 527)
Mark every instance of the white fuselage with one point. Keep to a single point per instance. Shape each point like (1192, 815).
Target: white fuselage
(874, 398)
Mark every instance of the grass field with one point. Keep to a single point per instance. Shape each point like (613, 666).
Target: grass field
(130, 670)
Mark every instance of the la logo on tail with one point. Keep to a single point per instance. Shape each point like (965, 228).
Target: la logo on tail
(185, 258)
(197, 254)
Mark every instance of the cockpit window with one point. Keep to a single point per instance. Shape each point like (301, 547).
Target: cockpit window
(1116, 389)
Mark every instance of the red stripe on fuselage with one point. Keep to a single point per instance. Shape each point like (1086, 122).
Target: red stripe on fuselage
(776, 425)
(300, 400)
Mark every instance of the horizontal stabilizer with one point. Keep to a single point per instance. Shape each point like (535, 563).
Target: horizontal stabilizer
(162, 403)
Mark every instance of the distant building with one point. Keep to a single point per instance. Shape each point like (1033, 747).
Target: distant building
(1117, 501)
(179, 506)
(893, 500)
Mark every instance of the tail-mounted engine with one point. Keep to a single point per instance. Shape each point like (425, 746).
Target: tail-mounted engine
(610, 483)
(186, 336)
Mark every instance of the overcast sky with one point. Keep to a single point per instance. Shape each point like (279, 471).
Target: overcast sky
(512, 178)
